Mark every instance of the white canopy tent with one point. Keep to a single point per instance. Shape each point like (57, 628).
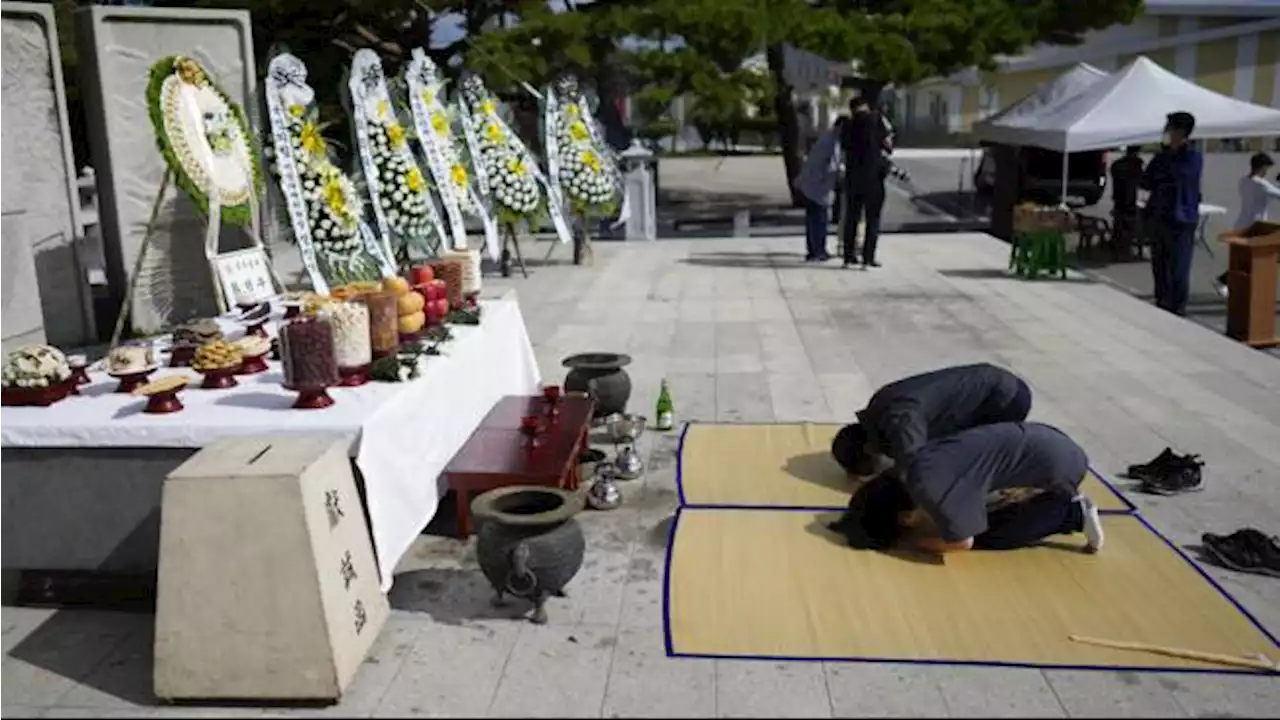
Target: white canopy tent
(1011, 125)
(1129, 107)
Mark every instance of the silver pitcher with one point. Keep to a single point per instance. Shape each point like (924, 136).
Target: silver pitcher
(604, 493)
(628, 463)
(624, 430)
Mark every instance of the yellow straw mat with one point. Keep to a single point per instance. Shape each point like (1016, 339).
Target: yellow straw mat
(778, 584)
(785, 466)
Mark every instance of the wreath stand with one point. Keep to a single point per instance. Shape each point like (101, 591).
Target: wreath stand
(582, 250)
(510, 243)
(213, 227)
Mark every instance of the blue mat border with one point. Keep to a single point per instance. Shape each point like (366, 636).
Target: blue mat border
(671, 652)
(1131, 508)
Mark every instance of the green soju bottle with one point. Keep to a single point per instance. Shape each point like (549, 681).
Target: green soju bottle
(665, 413)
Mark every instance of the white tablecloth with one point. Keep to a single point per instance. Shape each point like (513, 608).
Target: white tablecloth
(403, 434)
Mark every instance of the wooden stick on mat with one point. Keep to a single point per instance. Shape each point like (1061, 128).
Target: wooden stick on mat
(1258, 663)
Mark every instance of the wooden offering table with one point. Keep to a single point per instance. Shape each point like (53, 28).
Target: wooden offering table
(499, 453)
(1251, 282)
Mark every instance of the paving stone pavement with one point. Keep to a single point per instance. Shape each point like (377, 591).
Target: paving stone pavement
(744, 331)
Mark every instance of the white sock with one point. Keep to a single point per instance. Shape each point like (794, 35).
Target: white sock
(1092, 524)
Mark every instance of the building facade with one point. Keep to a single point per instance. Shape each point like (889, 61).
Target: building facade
(1229, 47)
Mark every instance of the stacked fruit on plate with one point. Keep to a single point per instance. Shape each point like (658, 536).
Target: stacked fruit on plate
(435, 295)
(217, 355)
(253, 351)
(162, 394)
(409, 305)
(252, 346)
(218, 361)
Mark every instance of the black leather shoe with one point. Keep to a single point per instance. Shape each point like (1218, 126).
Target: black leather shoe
(1167, 460)
(1246, 550)
(1174, 481)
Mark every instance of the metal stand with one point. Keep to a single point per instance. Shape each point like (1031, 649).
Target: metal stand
(582, 250)
(510, 242)
(213, 228)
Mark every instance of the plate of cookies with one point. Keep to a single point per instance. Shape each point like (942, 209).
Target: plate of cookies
(218, 361)
(162, 394)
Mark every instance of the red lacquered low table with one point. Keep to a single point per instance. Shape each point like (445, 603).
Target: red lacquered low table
(508, 412)
(499, 453)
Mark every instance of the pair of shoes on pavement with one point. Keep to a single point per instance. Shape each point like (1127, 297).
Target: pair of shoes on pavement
(1246, 550)
(1169, 473)
(849, 264)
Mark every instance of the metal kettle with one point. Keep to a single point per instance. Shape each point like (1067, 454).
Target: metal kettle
(604, 493)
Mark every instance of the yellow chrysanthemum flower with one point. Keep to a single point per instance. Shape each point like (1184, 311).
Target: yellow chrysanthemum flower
(414, 180)
(578, 131)
(384, 109)
(335, 196)
(459, 175)
(572, 110)
(428, 97)
(591, 160)
(488, 108)
(440, 124)
(516, 167)
(297, 110)
(493, 131)
(311, 139)
(395, 134)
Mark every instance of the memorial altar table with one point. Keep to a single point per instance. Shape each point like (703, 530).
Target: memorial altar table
(83, 476)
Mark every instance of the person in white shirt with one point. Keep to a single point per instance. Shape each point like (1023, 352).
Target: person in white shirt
(1256, 192)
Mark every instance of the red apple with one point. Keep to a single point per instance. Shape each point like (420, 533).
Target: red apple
(442, 307)
(423, 274)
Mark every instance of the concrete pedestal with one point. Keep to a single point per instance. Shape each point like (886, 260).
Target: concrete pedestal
(267, 585)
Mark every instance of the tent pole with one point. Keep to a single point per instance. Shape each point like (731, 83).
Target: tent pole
(1062, 199)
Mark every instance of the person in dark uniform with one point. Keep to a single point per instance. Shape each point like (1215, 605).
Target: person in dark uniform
(941, 500)
(863, 141)
(1126, 177)
(904, 415)
(1173, 211)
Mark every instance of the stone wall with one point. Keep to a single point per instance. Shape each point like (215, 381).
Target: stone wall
(117, 47)
(46, 293)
